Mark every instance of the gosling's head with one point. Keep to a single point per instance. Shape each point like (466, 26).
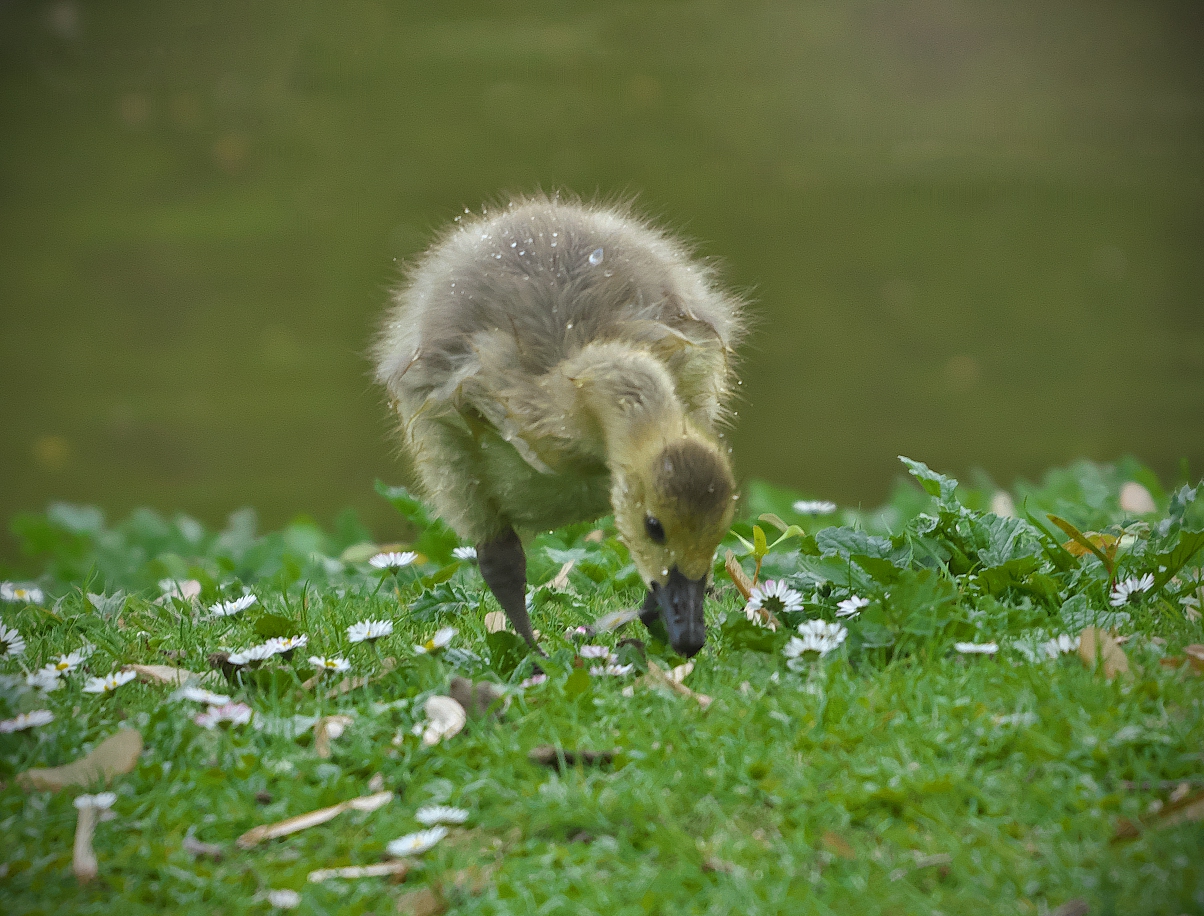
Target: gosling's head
(674, 501)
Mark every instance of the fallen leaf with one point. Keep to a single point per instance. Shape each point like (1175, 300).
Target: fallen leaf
(424, 901)
(397, 869)
(1195, 650)
(1093, 643)
(326, 730)
(115, 755)
(349, 684)
(711, 864)
(551, 756)
(657, 676)
(561, 580)
(197, 849)
(837, 845)
(1074, 907)
(440, 895)
(166, 674)
(479, 698)
(615, 619)
(1185, 808)
(83, 857)
(496, 622)
(1194, 664)
(1105, 542)
(597, 536)
(300, 822)
(681, 672)
(445, 718)
(738, 577)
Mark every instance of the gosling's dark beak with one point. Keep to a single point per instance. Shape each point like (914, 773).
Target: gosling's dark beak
(680, 601)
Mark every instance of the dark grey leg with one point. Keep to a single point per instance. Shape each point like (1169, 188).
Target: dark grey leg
(650, 615)
(504, 569)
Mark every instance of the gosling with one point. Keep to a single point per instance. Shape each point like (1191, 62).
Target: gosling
(555, 361)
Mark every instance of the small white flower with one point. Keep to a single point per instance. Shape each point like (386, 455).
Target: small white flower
(465, 553)
(976, 648)
(815, 636)
(591, 651)
(437, 642)
(26, 720)
(814, 507)
(774, 598)
(44, 679)
(611, 670)
(23, 594)
(413, 844)
(65, 664)
(440, 814)
(533, 681)
(392, 559)
(282, 645)
(253, 654)
(101, 800)
(200, 695)
(369, 630)
(231, 607)
(14, 643)
(851, 606)
(322, 663)
(109, 682)
(1062, 645)
(284, 898)
(1124, 589)
(234, 713)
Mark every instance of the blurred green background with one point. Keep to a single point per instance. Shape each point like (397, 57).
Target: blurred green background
(973, 230)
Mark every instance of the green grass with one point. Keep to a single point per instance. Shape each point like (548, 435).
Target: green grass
(894, 775)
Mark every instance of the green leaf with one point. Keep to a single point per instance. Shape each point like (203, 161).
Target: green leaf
(880, 570)
(270, 626)
(1083, 541)
(1011, 574)
(435, 539)
(1190, 543)
(845, 542)
(506, 651)
(742, 633)
(760, 547)
(440, 575)
(577, 683)
(438, 602)
(935, 484)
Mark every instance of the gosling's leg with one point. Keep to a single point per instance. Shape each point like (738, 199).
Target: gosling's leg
(504, 569)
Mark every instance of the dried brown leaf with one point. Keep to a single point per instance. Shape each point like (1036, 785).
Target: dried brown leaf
(197, 849)
(300, 822)
(326, 730)
(560, 581)
(479, 698)
(1094, 644)
(738, 577)
(166, 674)
(551, 756)
(837, 845)
(424, 901)
(349, 684)
(115, 755)
(1074, 907)
(1179, 811)
(397, 870)
(496, 622)
(657, 676)
(444, 719)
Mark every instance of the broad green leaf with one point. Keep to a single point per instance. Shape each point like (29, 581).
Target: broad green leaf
(1082, 540)
(844, 542)
(742, 633)
(760, 546)
(1190, 543)
(435, 539)
(506, 651)
(577, 683)
(881, 570)
(937, 485)
(270, 626)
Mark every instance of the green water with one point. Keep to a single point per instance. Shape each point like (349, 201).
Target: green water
(973, 230)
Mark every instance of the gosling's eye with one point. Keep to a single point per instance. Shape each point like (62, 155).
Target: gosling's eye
(654, 529)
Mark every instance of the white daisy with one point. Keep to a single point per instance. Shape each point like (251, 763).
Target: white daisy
(109, 682)
(282, 645)
(45, 679)
(976, 648)
(1124, 589)
(851, 606)
(774, 597)
(590, 651)
(440, 814)
(26, 720)
(815, 636)
(284, 898)
(814, 507)
(413, 844)
(611, 670)
(465, 553)
(369, 630)
(231, 607)
(65, 664)
(392, 559)
(201, 695)
(253, 654)
(14, 643)
(437, 642)
(234, 713)
(322, 663)
(1062, 645)
(24, 594)
(100, 801)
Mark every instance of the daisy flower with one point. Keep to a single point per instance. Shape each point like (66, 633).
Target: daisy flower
(231, 607)
(282, 645)
(45, 679)
(109, 682)
(322, 663)
(1062, 645)
(100, 801)
(814, 507)
(14, 643)
(284, 898)
(201, 695)
(440, 814)
(392, 559)
(774, 597)
(976, 648)
(26, 720)
(413, 844)
(25, 594)
(234, 713)
(590, 651)
(437, 642)
(611, 670)
(465, 553)
(1124, 589)
(851, 606)
(65, 664)
(533, 681)
(815, 636)
(369, 630)
(253, 654)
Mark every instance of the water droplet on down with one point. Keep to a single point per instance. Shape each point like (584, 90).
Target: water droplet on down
(595, 257)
